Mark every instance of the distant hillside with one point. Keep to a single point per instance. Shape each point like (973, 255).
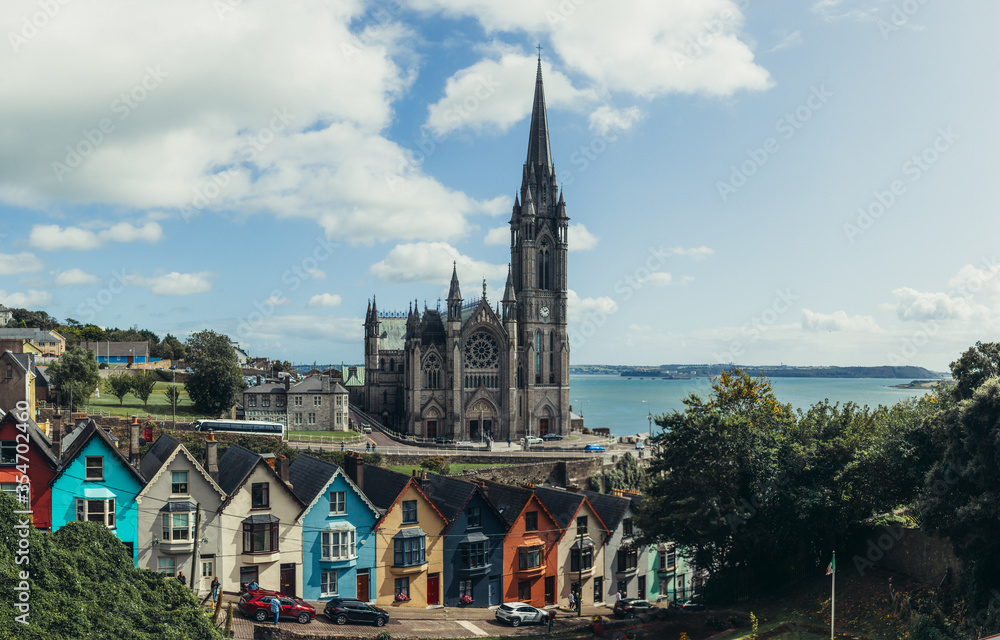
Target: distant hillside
(681, 371)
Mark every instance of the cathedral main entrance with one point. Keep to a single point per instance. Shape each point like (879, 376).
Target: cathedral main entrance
(481, 421)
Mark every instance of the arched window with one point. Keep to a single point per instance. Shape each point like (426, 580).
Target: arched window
(392, 365)
(544, 267)
(552, 357)
(432, 372)
(538, 357)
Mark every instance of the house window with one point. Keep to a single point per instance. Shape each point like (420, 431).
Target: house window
(298, 401)
(339, 545)
(409, 511)
(531, 521)
(312, 418)
(340, 419)
(179, 482)
(340, 401)
(11, 488)
(524, 591)
(473, 555)
(259, 495)
(327, 583)
(403, 587)
(176, 526)
(251, 400)
(627, 527)
(10, 371)
(671, 557)
(529, 557)
(8, 452)
(581, 526)
(588, 559)
(628, 558)
(260, 537)
(96, 511)
(409, 552)
(317, 401)
(95, 468)
(265, 401)
(166, 565)
(474, 516)
(338, 502)
(465, 588)
(298, 418)
(207, 568)
(279, 401)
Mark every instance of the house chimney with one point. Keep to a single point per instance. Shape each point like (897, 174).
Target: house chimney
(355, 468)
(57, 430)
(133, 444)
(326, 384)
(212, 457)
(288, 382)
(281, 466)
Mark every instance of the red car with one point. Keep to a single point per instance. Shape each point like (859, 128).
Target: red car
(257, 605)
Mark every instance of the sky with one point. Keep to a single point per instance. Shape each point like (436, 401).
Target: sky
(748, 181)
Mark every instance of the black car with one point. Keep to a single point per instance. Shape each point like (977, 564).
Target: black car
(629, 607)
(549, 437)
(691, 604)
(443, 440)
(344, 610)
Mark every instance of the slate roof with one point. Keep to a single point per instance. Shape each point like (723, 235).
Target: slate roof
(309, 476)
(267, 387)
(38, 335)
(563, 505)
(157, 455)
(610, 509)
(383, 486)
(234, 466)
(508, 500)
(86, 434)
(449, 495)
(314, 384)
(24, 360)
(117, 349)
(37, 436)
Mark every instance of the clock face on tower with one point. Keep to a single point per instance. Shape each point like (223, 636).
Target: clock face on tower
(544, 312)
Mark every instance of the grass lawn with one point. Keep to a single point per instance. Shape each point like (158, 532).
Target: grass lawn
(157, 405)
(452, 469)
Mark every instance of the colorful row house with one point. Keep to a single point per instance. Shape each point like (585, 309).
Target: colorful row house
(26, 454)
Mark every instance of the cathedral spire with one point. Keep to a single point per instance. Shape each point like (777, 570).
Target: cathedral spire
(538, 140)
(454, 293)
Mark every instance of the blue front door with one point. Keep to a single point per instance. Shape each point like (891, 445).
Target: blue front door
(494, 591)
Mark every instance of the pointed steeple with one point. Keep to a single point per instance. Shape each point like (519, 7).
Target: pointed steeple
(538, 140)
(454, 293)
(508, 292)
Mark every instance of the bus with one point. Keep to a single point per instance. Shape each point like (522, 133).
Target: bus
(247, 427)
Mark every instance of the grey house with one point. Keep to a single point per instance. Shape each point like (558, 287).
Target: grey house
(626, 563)
(168, 505)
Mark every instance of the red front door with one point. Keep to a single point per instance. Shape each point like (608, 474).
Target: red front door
(433, 589)
(364, 594)
(543, 426)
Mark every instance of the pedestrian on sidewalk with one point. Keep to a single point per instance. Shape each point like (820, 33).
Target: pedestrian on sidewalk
(275, 609)
(215, 588)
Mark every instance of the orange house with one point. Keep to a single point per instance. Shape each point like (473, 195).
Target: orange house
(530, 550)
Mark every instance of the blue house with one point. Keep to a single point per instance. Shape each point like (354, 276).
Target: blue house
(473, 541)
(338, 541)
(96, 483)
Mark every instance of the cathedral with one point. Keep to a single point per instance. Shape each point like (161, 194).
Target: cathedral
(473, 370)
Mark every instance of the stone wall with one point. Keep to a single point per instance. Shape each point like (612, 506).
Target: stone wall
(514, 471)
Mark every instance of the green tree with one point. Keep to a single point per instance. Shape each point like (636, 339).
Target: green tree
(217, 379)
(118, 385)
(626, 475)
(173, 394)
(143, 383)
(75, 376)
(974, 367)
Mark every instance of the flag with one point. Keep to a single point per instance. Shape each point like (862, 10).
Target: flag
(832, 567)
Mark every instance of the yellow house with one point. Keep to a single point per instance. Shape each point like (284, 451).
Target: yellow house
(409, 548)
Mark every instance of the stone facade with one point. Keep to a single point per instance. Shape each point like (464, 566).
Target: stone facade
(314, 404)
(475, 370)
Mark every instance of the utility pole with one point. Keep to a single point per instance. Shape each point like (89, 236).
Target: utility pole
(174, 401)
(194, 554)
(579, 578)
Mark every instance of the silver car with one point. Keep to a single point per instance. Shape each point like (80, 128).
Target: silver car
(517, 613)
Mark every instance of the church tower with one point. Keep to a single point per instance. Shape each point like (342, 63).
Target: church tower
(539, 234)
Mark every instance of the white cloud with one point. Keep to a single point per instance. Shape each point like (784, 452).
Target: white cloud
(432, 262)
(499, 236)
(605, 119)
(836, 10)
(276, 301)
(919, 305)
(491, 94)
(52, 237)
(679, 46)
(325, 300)
(793, 39)
(837, 321)
(970, 281)
(30, 300)
(686, 280)
(75, 276)
(580, 239)
(178, 284)
(24, 262)
(661, 278)
(317, 274)
(275, 328)
(579, 309)
(696, 253)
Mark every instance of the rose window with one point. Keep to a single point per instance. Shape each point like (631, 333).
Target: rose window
(481, 352)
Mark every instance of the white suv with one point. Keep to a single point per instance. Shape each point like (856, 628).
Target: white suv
(517, 613)
(533, 440)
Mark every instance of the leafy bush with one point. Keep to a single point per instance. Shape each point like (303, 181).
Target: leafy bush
(437, 464)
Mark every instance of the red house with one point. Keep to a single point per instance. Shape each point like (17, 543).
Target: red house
(28, 450)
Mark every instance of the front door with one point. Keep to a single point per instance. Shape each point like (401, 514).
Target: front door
(543, 426)
(432, 429)
(288, 580)
(598, 589)
(433, 589)
(364, 591)
(494, 591)
(642, 588)
(550, 590)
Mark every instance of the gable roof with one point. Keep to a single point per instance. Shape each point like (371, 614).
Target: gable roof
(356, 379)
(88, 433)
(309, 476)
(384, 488)
(36, 435)
(510, 501)
(564, 505)
(448, 494)
(163, 451)
(235, 467)
(30, 334)
(610, 509)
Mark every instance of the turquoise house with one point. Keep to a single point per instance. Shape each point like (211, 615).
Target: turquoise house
(96, 483)
(338, 544)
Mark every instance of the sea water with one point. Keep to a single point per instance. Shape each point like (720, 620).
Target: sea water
(625, 405)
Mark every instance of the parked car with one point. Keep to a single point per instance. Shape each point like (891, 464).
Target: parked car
(629, 607)
(594, 447)
(344, 610)
(533, 440)
(692, 604)
(640, 444)
(518, 613)
(549, 437)
(443, 440)
(257, 605)
(367, 428)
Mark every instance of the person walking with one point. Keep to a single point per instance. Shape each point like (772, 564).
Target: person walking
(253, 586)
(275, 609)
(215, 589)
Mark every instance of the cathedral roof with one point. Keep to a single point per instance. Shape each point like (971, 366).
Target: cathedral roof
(392, 334)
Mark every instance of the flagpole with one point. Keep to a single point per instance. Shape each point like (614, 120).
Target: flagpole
(833, 592)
